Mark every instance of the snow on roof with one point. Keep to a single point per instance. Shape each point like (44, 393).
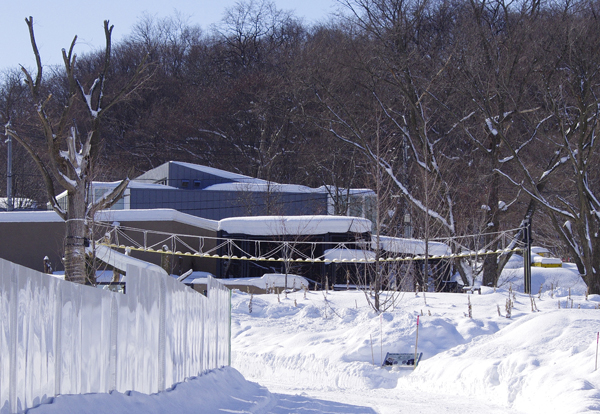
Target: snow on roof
(267, 280)
(219, 173)
(157, 214)
(149, 186)
(120, 260)
(294, 225)
(343, 191)
(411, 246)
(47, 216)
(262, 187)
(132, 184)
(191, 279)
(349, 254)
(539, 250)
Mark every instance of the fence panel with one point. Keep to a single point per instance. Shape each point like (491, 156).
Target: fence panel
(57, 337)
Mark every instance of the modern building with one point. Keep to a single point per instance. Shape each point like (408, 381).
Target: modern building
(204, 205)
(216, 194)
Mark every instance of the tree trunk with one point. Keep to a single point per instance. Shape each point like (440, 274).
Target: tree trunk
(490, 261)
(76, 236)
(592, 276)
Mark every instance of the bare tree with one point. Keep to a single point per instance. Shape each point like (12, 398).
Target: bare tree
(399, 79)
(494, 60)
(70, 155)
(570, 79)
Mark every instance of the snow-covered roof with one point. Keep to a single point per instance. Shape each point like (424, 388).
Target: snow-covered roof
(220, 173)
(539, 250)
(294, 225)
(536, 258)
(148, 186)
(262, 187)
(47, 216)
(349, 254)
(132, 185)
(159, 214)
(267, 280)
(120, 260)
(343, 191)
(411, 246)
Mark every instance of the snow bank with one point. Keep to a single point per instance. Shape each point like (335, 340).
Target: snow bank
(223, 390)
(536, 361)
(560, 281)
(540, 363)
(331, 345)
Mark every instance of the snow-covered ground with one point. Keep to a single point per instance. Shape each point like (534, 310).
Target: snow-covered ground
(322, 353)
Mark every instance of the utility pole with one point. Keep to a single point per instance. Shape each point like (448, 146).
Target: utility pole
(527, 257)
(9, 184)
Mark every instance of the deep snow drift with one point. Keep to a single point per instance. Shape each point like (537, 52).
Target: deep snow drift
(322, 353)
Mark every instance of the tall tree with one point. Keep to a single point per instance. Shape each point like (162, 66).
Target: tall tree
(70, 156)
(572, 97)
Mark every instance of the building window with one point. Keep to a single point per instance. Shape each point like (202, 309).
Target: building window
(197, 183)
(185, 183)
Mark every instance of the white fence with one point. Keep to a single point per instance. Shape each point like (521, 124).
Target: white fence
(57, 337)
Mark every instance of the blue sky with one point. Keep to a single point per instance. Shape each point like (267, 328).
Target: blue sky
(56, 23)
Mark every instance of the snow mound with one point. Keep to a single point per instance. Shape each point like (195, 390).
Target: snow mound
(559, 280)
(223, 390)
(540, 363)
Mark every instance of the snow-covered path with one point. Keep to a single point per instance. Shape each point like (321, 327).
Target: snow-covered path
(380, 401)
(318, 363)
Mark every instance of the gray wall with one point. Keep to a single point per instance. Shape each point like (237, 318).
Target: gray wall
(26, 244)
